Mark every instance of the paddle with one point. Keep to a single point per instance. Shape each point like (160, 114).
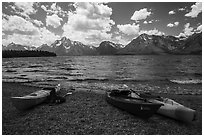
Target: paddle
(140, 96)
(68, 93)
(134, 92)
(145, 95)
(126, 86)
(136, 96)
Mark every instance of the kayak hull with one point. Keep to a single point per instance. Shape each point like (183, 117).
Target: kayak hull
(176, 111)
(23, 103)
(33, 99)
(172, 108)
(134, 106)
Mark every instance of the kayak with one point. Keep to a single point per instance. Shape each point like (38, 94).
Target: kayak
(172, 108)
(33, 99)
(136, 106)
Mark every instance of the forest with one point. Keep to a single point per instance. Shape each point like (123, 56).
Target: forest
(26, 53)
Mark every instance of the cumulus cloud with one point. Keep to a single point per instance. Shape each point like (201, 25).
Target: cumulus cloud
(170, 25)
(53, 21)
(172, 12)
(54, 9)
(141, 14)
(175, 24)
(129, 29)
(181, 35)
(25, 8)
(195, 10)
(199, 27)
(53, 6)
(44, 36)
(121, 40)
(24, 32)
(38, 23)
(89, 23)
(145, 22)
(181, 9)
(149, 22)
(43, 7)
(152, 32)
(15, 22)
(187, 31)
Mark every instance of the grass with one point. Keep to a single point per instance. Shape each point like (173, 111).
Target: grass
(87, 113)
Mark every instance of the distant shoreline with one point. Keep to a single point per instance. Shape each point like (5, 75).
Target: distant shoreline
(112, 55)
(26, 53)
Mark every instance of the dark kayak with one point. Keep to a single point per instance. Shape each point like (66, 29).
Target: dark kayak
(137, 106)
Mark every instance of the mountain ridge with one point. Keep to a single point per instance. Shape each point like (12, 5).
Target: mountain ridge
(142, 45)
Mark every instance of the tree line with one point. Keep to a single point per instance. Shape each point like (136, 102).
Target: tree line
(26, 53)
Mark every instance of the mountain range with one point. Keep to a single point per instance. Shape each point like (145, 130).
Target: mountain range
(142, 45)
(66, 47)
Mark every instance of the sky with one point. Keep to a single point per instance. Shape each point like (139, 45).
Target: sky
(37, 23)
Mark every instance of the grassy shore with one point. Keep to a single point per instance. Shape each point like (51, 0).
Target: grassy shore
(86, 113)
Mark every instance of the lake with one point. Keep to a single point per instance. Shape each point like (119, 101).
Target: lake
(105, 72)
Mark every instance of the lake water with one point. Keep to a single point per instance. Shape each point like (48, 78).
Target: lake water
(104, 72)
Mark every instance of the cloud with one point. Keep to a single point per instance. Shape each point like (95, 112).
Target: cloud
(141, 14)
(129, 29)
(175, 24)
(172, 12)
(195, 10)
(22, 31)
(27, 7)
(149, 22)
(93, 10)
(43, 36)
(15, 22)
(181, 35)
(54, 9)
(90, 23)
(53, 21)
(20, 23)
(181, 9)
(199, 28)
(152, 32)
(37, 22)
(170, 25)
(187, 31)
(121, 40)
(24, 8)
(43, 7)
(145, 22)
(47, 37)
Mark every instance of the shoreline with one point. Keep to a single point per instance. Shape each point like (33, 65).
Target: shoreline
(87, 113)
